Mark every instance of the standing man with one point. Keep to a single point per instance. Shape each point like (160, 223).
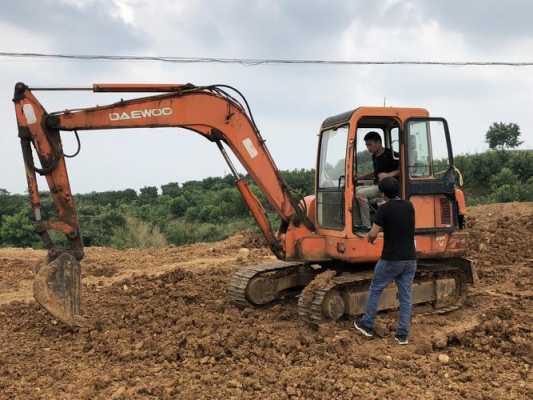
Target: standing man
(384, 166)
(396, 218)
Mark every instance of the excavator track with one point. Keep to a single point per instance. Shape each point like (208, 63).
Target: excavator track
(459, 298)
(259, 285)
(329, 297)
(325, 301)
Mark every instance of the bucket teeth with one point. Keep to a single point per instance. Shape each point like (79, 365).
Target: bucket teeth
(56, 287)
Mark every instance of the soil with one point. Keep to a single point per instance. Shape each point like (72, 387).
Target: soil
(160, 327)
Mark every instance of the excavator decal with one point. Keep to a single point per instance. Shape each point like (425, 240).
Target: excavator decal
(136, 114)
(341, 257)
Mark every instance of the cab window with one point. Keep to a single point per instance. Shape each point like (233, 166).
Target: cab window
(332, 177)
(427, 148)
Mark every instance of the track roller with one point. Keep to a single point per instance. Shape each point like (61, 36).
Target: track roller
(260, 285)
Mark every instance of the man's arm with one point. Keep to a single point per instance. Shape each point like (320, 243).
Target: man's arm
(395, 164)
(391, 174)
(373, 234)
(370, 175)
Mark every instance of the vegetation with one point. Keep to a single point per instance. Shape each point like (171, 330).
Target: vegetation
(212, 209)
(497, 176)
(501, 135)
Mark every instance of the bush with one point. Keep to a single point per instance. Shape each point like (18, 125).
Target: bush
(503, 178)
(486, 173)
(178, 206)
(17, 230)
(180, 232)
(137, 234)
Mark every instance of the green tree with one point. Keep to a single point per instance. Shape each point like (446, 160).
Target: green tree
(501, 135)
(506, 186)
(504, 177)
(178, 206)
(17, 230)
(148, 194)
(171, 189)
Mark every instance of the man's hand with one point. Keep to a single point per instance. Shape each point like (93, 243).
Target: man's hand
(392, 174)
(365, 177)
(382, 175)
(373, 234)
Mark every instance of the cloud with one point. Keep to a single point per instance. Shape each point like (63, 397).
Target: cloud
(289, 102)
(89, 27)
(484, 24)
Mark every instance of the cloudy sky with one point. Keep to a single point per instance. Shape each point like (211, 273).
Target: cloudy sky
(289, 102)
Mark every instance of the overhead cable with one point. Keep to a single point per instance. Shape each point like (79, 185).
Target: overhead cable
(260, 61)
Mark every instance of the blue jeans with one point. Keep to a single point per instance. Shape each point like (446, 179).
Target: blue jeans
(402, 272)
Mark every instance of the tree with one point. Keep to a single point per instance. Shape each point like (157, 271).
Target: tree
(504, 177)
(148, 194)
(501, 135)
(171, 189)
(178, 206)
(17, 230)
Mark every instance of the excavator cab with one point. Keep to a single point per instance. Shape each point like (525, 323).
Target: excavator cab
(428, 179)
(422, 147)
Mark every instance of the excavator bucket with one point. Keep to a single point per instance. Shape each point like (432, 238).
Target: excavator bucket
(56, 287)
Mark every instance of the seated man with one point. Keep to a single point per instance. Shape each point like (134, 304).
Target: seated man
(384, 166)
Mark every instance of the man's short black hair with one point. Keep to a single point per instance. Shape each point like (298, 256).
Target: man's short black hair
(373, 136)
(390, 187)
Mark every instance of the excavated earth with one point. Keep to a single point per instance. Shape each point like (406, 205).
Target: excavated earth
(160, 327)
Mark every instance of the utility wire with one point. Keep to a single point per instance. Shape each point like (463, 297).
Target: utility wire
(261, 61)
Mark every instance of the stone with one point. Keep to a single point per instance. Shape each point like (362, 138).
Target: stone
(234, 383)
(291, 391)
(423, 347)
(243, 253)
(443, 358)
(119, 393)
(381, 330)
(440, 340)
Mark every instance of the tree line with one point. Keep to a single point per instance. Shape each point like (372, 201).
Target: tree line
(212, 209)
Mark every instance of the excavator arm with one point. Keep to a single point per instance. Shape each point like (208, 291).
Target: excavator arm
(209, 110)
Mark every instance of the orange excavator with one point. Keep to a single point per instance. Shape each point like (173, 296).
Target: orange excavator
(319, 244)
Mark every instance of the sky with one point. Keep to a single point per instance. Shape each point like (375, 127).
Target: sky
(289, 102)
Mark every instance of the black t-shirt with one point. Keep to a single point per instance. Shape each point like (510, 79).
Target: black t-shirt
(397, 219)
(384, 163)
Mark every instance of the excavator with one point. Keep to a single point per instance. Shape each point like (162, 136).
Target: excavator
(322, 254)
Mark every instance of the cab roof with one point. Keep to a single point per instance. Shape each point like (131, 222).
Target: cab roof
(398, 112)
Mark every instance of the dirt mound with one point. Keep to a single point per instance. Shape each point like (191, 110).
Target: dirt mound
(500, 236)
(160, 327)
(501, 332)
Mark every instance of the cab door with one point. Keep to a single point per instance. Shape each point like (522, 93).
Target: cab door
(331, 178)
(430, 183)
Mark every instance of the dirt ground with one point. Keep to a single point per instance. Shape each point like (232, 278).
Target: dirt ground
(161, 328)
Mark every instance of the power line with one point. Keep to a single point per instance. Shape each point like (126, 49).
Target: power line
(261, 61)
